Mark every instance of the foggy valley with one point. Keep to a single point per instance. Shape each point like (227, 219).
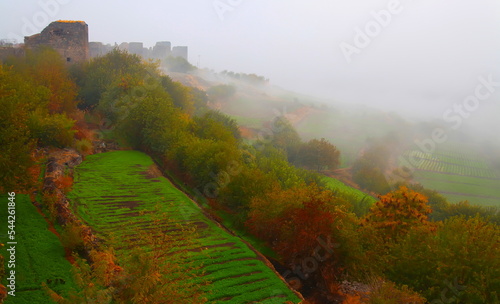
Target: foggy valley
(231, 151)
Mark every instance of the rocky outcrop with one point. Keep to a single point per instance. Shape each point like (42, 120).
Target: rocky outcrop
(61, 163)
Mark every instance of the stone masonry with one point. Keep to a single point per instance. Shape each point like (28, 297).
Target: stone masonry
(68, 38)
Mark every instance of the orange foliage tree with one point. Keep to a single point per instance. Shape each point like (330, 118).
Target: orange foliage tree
(398, 212)
(291, 221)
(46, 68)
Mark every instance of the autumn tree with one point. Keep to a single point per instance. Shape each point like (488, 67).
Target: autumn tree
(15, 136)
(292, 220)
(368, 170)
(245, 184)
(208, 161)
(216, 125)
(437, 201)
(318, 155)
(25, 121)
(285, 137)
(45, 67)
(467, 261)
(151, 122)
(96, 76)
(398, 212)
(459, 263)
(465, 208)
(200, 99)
(182, 96)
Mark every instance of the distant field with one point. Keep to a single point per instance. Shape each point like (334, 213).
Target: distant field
(452, 162)
(114, 191)
(39, 255)
(457, 175)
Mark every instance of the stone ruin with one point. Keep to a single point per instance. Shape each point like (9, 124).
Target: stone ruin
(68, 38)
(161, 50)
(71, 40)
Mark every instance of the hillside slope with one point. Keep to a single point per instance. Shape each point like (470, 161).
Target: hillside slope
(39, 256)
(116, 192)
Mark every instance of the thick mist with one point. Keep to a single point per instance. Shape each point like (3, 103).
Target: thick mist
(421, 59)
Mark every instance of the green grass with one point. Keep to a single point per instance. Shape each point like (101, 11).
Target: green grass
(256, 243)
(113, 194)
(339, 186)
(360, 201)
(39, 254)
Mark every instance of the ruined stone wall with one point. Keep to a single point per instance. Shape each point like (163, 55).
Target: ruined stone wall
(68, 38)
(162, 50)
(136, 48)
(180, 51)
(98, 49)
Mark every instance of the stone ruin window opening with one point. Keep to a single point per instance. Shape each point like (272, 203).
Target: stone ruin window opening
(68, 59)
(58, 32)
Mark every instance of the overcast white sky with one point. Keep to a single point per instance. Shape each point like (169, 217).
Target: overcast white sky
(428, 56)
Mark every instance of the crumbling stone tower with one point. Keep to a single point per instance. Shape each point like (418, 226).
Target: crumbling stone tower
(68, 38)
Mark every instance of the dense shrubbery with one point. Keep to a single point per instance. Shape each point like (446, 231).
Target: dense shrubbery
(96, 77)
(458, 258)
(267, 185)
(36, 97)
(318, 155)
(281, 204)
(368, 170)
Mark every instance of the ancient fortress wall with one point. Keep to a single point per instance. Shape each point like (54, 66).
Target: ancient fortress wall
(68, 38)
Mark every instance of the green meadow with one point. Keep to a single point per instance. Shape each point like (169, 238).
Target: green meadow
(40, 257)
(340, 187)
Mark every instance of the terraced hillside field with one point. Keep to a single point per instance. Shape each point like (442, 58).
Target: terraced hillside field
(113, 193)
(458, 175)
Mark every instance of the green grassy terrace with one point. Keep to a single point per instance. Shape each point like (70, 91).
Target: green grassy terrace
(115, 193)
